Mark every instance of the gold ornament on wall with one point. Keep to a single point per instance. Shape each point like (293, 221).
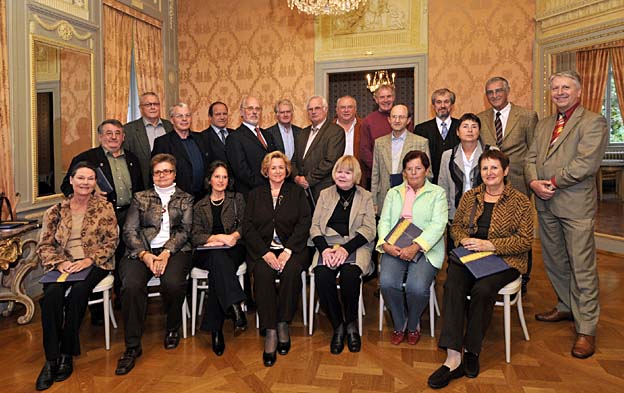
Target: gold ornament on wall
(325, 7)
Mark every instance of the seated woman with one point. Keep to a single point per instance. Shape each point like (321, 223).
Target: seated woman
(491, 217)
(343, 226)
(78, 233)
(217, 221)
(424, 204)
(157, 233)
(276, 226)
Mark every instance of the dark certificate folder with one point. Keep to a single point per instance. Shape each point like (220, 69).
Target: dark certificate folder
(206, 248)
(56, 276)
(403, 235)
(481, 264)
(350, 257)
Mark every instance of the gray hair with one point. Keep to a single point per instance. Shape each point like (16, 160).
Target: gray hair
(441, 92)
(567, 74)
(283, 101)
(346, 96)
(178, 105)
(498, 79)
(317, 96)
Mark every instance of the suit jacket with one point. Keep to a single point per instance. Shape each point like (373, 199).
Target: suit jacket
(382, 163)
(517, 137)
(277, 136)
(97, 157)
(136, 141)
(232, 214)
(245, 154)
(573, 162)
(217, 148)
(327, 147)
(437, 145)
(171, 143)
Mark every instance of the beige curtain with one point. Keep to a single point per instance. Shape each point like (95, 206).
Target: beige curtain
(117, 55)
(593, 66)
(6, 162)
(617, 58)
(148, 58)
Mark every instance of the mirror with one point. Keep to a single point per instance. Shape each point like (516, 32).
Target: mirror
(62, 102)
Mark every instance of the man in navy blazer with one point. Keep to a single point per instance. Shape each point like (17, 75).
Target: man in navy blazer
(217, 133)
(284, 132)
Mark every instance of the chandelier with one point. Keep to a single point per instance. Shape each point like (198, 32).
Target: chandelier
(325, 7)
(380, 78)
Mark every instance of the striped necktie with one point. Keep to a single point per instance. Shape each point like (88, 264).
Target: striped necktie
(444, 131)
(557, 131)
(498, 124)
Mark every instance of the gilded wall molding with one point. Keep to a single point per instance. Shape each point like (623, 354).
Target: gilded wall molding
(77, 8)
(65, 30)
(552, 15)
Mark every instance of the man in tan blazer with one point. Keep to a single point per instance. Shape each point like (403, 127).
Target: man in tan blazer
(389, 152)
(561, 167)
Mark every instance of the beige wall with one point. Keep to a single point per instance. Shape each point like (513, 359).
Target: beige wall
(231, 48)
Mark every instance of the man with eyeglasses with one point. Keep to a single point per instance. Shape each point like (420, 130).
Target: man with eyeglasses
(190, 149)
(141, 133)
(284, 132)
(511, 128)
(247, 146)
(318, 148)
(119, 176)
(217, 133)
(441, 131)
(389, 152)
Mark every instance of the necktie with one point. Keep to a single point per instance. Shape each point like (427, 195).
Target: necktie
(498, 124)
(557, 131)
(222, 134)
(260, 138)
(444, 130)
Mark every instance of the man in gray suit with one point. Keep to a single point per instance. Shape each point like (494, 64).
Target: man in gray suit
(317, 149)
(389, 152)
(561, 168)
(284, 132)
(141, 133)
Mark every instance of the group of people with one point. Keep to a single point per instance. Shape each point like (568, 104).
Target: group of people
(285, 200)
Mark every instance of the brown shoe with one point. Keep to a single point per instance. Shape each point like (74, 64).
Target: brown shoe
(584, 346)
(554, 315)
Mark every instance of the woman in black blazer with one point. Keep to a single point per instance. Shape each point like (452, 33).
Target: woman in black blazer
(276, 226)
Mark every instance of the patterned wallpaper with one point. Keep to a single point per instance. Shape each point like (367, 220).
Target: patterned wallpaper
(231, 48)
(477, 40)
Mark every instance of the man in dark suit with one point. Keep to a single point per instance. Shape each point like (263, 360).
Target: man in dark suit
(141, 133)
(317, 149)
(347, 118)
(190, 150)
(561, 170)
(247, 146)
(284, 132)
(119, 177)
(217, 133)
(441, 131)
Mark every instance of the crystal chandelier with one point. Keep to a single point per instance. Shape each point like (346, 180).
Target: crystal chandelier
(325, 7)
(380, 78)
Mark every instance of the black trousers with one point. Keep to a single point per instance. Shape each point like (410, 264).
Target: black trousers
(134, 277)
(325, 280)
(483, 292)
(61, 316)
(278, 303)
(223, 286)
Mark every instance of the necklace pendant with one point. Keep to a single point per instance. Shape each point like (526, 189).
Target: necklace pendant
(345, 205)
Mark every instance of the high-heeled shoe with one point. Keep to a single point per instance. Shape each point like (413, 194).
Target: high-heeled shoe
(269, 358)
(283, 347)
(218, 342)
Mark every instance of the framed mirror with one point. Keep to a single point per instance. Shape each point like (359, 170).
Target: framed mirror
(62, 98)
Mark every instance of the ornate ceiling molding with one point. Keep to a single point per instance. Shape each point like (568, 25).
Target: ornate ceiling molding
(65, 30)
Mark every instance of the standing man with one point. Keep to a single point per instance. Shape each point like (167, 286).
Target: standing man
(346, 117)
(247, 146)
(317, 149)
(389, 153)
(141, 133)
(511, 128)
(561, 168)
(217, 133)
(190, 150)
(441, 131)
(284, 132)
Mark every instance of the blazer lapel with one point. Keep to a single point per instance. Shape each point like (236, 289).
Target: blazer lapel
(511, 123)
(318, 136)
(489, 124)
(386, 154)
(567, 129)
(141, 135)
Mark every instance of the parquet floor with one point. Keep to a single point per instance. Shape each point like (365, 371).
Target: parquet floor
(543, 364)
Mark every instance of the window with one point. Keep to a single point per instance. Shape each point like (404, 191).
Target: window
(611, 110)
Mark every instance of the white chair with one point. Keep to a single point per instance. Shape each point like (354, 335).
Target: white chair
(304, 305)
(199, 279)
(434, 309)
(105, 286)
(155, 282)
(314, 309)
(513, 288)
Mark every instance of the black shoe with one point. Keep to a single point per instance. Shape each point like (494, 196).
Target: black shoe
(47, 375)
(354, 342)
(250, 304)
(283, 348)
(337, 342)
(269, 358)
(65, 368)
(97, 319)
(442, 376)
(172, 339)
(239, 318)
(126, 361)
(471, 364)
(218, 342)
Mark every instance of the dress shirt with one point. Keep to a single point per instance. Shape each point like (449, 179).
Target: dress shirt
(217, 131)
(446, 121)
(349, 138)
(153, 132)
(313, 135)
(467, 168)
(121, 177)
(397, 148)
(288, 139)
(504, 115)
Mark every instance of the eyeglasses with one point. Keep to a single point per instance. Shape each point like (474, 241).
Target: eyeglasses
(112, 133)
(253, 108)
(183, 116)
(151, 104)
(398, 117)
(164, 172)
(493, 92)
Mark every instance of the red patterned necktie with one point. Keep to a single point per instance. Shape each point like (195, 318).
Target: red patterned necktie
(557, 131)
(260, 138)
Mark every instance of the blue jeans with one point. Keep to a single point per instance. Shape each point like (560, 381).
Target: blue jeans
(406, 306)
